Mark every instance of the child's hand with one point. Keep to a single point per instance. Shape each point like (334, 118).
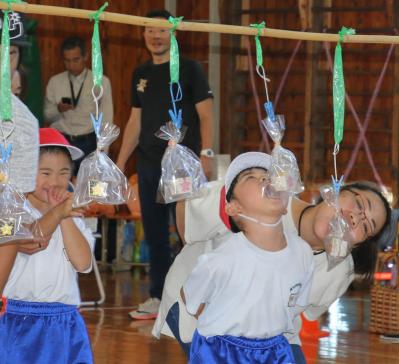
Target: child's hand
(66, 210)
(35, 246)
(57, 195)
(61, 200)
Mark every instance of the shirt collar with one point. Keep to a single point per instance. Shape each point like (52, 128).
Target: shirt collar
(79, 77)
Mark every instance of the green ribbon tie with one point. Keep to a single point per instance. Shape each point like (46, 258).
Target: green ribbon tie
(96, 58)
(259, 55)
(339, 87)
(174, 62)
(5, 77)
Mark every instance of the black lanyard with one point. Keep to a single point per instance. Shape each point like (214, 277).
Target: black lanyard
(75, 100)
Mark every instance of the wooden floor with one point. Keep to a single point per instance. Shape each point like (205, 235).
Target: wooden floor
(117, 339)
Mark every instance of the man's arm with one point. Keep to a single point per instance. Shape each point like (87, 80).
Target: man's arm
(107, 106)
(205, 113)
(130, 137)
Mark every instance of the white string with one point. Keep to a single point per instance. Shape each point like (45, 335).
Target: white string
(335, 152)
(277, 223)
(262, 75)
(96, 98)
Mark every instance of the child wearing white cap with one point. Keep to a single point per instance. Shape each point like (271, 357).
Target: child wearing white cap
(42, 323)
(245, 291)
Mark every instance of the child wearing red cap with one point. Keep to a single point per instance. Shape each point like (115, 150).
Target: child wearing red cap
(42, 323)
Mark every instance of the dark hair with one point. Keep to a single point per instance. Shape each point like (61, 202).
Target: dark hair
(365, 254)
(23, 75)
(159, 14)
(74, 42)
(53, 149)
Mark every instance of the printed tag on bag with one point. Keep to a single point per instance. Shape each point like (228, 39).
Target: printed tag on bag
(280, 182)
(3, 177)
(97, 189)
(338, 247)
(182, 185)
(7, 226)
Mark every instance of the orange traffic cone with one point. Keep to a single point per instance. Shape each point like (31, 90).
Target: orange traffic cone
(310, 329)
(310, 348)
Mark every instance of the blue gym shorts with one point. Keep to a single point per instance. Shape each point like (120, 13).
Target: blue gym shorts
(43, 333)
(240, 350)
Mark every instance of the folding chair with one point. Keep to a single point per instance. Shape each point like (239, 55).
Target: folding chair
(91, 222)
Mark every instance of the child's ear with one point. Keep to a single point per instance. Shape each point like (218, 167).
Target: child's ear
(232, 208)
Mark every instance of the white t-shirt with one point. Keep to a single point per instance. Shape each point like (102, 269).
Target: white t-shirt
(327, 286)
(201, 221)
(249, 291)
(75, 121)
(202, 216)
(188, 256)
(47, 276)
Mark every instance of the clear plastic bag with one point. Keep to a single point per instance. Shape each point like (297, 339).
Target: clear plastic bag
(182, 175)
(99, 179)
(275, 127)
(284, 172)
(338, 243)
(268, 191)
(17, 220)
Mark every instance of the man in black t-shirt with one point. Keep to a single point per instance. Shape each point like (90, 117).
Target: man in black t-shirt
(151, 100)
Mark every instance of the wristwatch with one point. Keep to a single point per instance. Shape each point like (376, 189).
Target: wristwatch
(207, 153)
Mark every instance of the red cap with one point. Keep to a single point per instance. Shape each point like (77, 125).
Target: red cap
(52, 137)
(222, 213)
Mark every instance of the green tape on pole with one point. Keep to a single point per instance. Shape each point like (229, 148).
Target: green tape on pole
(96, 57)
(339, 87)
(174, 61)
(5, 78)
(259, 53)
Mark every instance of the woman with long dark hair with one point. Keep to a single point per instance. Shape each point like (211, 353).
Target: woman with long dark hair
(201, 224)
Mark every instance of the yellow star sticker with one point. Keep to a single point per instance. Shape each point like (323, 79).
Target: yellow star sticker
(98, 189)
(6, 230)
(3, 177)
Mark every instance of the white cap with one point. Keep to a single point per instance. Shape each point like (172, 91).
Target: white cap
(246, 161)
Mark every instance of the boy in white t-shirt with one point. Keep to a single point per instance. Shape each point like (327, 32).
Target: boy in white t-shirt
(42, 323)
(244, 292)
